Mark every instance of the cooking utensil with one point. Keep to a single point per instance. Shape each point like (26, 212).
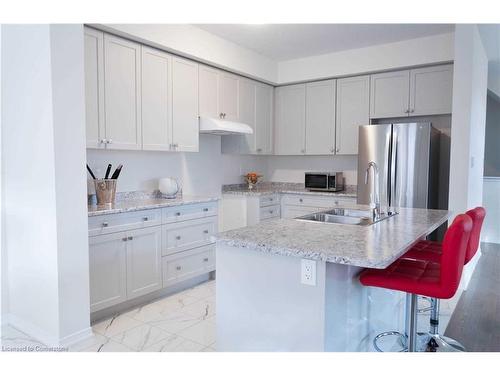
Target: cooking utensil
(107, 171)
(117, 171)
(90, 171)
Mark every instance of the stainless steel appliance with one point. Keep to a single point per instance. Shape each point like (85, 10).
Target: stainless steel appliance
(324, 181)
(407, 158)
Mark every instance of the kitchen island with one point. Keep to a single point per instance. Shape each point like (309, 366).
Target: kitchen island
(264, 303)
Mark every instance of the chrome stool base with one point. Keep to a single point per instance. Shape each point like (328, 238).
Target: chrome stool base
(440, 343)
(402, 339)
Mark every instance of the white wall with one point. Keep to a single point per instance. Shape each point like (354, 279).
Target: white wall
(468, 119)
(470, 79)
(292, 168)
(420, 51)
(68, 100)
(44, 183)
(199, 173)
(198, 44)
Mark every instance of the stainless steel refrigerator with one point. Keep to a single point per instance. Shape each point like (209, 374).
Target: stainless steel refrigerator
(407, 156)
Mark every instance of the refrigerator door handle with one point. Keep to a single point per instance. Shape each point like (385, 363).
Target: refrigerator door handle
(394, 168)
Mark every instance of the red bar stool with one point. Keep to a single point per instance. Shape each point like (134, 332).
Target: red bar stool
(431, 251)
(423, 277)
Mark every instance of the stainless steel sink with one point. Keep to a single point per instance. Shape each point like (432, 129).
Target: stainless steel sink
(345, 216)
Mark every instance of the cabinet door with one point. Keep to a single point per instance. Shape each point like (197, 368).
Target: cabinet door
(431, 90)
(143, 261)
(320, 118)
(185, 125)
(94, 87)
(353, 109)
(156, 100)
(390, 94)
(247, 107)
(108, 273)
(229, 90)
(291, 120)
(122, 82)
(264, 119)
(209, 92)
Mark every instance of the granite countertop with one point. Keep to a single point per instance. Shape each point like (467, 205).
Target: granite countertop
(145, 203)
(264, 188)
(373, 246)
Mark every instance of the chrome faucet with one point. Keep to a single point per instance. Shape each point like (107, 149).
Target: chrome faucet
(375, 192)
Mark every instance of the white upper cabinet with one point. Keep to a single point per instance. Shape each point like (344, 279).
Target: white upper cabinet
(290, 120)
(209, 92)
(122, 86)
(156, 100)
(431, 90)
(320, 118)
(185, 124)
(390, 94)
(229, 92)
(353, 109)
(94, 87)
(247, 106)
(264, 105)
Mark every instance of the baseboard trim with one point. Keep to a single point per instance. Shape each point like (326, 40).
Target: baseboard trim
(76, 337)
(32, 330)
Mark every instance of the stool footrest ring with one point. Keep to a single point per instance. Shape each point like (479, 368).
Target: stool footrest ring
(402, 336)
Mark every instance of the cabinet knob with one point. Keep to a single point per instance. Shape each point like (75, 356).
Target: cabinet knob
(102, 141)
(407, 111)
(303, 151)
(336, 202)
(124, 239)
(130, 238)
(177, 214)
(177, 237)
(205, 231)
(205, 259)
(205, 209)
(178, 268)
(412, 110)
(145, 218)
(259, 150)
(271, 211)
(109, 141)
(221, 115)
(337, 149)
(301, 200)
(105, 224)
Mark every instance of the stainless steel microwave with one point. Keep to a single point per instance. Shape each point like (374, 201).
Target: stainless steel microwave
(324, 181)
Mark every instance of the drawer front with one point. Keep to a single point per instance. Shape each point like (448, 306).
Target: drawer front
(269, 212)
(269, 200)
(312, 201)
(183, 266)
(189, 212)
(188, 234)
(105, 224)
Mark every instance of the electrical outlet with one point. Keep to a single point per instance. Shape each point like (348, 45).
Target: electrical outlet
(308, 272)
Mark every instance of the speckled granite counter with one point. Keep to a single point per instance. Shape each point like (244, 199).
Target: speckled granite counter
(263, 188)
(145, 203)
(373, 246)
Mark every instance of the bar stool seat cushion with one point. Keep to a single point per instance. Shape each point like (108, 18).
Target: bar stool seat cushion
(425, 250)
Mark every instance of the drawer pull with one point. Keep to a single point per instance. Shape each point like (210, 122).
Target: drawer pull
(124, 239)
(177, 214)
(205, 231)
(104, 224)
(178, 268)
(205, 209)
(177, 237)
(271, 211)
(145, 218)
(205, 259)
(301, 200)
(130, 238)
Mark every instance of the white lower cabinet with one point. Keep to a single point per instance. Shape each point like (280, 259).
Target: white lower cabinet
(130, 258)
(295, 205)
(108, 270)
(187, 264)
(143, 261)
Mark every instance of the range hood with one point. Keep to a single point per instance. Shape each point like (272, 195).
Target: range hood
(209, 125)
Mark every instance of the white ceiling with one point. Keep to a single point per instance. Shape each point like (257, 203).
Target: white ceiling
(281, 42)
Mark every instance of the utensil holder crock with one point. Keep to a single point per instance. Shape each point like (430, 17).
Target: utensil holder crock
(105, 190)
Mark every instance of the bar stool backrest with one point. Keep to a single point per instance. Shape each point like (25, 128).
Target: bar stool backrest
(477, 215)
(452, 259)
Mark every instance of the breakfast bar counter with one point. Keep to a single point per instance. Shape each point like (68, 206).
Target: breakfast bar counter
(264, 303)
